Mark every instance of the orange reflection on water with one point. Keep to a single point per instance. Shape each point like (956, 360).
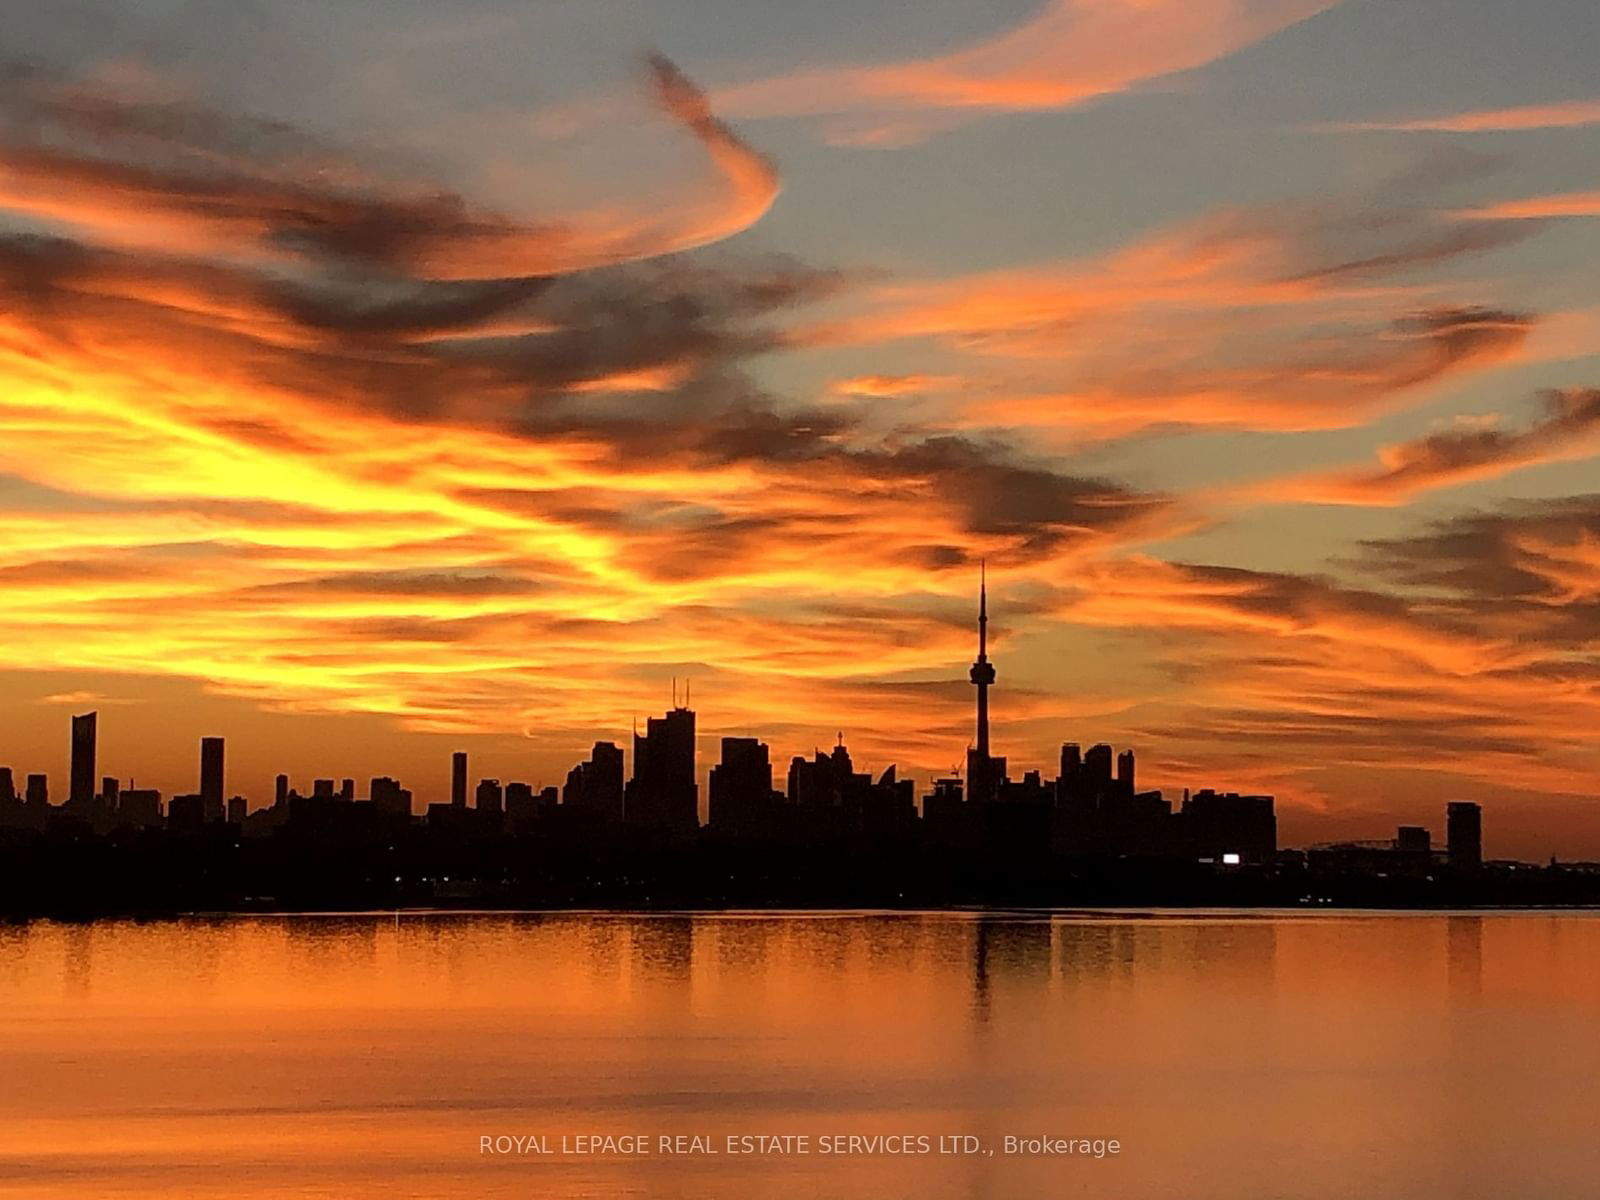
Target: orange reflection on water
(1231, 1054)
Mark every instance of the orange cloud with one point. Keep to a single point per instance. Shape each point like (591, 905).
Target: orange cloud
(1069, 52)
(159, 176)
(886, 387)
(1569, 429)
(85, 700)
(1303, 317)
(1567, 114)
(1539, 208)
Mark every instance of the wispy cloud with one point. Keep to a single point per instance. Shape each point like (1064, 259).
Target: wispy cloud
(84, 700)
(1069, 52)
(1563, 114)
(1538, 208)
(175, 175)
(1530, 566)
(1301, 316)
(1568, 428)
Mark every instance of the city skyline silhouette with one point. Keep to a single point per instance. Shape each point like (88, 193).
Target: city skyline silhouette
(628, 830)
(977, 775)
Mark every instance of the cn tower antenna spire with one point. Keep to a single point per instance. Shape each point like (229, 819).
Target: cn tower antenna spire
(983, 610)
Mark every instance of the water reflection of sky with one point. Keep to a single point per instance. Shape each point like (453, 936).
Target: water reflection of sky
(1232, 1055)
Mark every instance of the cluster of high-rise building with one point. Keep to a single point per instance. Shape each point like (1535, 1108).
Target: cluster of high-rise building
(111, 805)
(1092, 807)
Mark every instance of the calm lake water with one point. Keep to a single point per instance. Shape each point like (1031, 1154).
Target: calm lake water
(1230, 1054)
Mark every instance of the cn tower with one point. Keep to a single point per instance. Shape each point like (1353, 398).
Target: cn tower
(982, 673)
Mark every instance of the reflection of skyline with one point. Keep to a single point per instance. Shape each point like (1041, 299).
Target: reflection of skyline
(1027, 957)
(1191, 1036)
(1464, 954)
(1011, 946)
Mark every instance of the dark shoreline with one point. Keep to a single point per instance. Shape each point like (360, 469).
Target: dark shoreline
(1123, 909)
(73, 872)
(999, 912)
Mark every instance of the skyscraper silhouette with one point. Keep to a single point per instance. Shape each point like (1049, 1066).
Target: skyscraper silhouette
(1464, 834)
(458, 779)
(663, 793)
(1071, 760)
(596, 786)
(81, 790)
(212, 780)
(186, 814)
(1097, 769)
(1222, 824)
(741, 785)
(489, 797)
(389, 797)
(140, 808)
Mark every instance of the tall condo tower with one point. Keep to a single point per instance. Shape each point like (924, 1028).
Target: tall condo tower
(83, 755)
(212, 777)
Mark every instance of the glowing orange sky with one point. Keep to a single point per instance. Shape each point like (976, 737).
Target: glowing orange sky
(299, 434)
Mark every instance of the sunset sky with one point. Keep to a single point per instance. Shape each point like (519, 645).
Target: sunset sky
(383, 380)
